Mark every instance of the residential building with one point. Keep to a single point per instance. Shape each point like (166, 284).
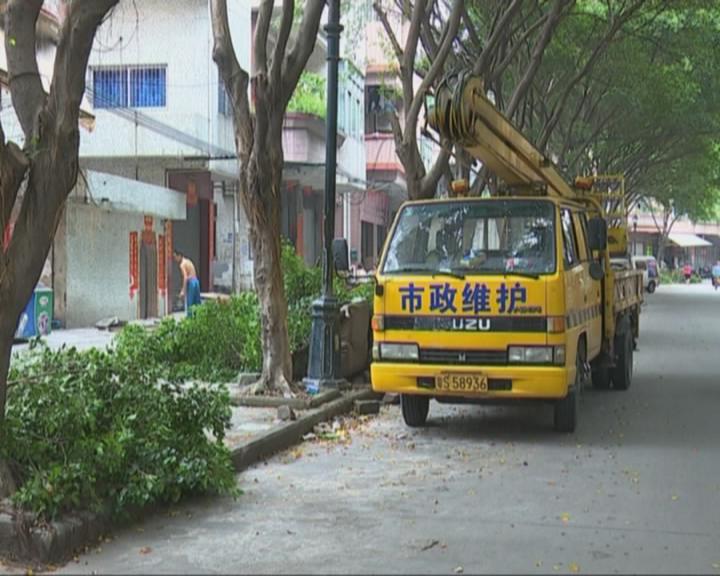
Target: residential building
(163, 122)
(159, 167)
(695, 242)
(385, 174)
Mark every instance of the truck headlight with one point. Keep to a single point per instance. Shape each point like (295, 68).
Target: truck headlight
(536, 355)
(391, 351)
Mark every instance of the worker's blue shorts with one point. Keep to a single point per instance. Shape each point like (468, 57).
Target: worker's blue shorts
(192, 295)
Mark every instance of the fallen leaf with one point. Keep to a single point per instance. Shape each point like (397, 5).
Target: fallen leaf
(716, 565)
(145, 550)
(565, 517)
(459, 570)
(574, 567)
(538, 564)
(674, 497)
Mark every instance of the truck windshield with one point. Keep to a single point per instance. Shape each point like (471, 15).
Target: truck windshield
(474, 237)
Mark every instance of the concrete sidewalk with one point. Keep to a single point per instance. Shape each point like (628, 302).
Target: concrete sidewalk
(80, 338)
(87, 338)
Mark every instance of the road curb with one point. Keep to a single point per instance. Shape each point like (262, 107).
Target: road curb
(285, 435)
(276, 402)
(62, 538)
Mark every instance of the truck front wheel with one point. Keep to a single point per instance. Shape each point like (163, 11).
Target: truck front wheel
(566, 409)
(414, 409)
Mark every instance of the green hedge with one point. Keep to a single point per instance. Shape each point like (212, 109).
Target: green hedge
(677, 277)
(85, 430)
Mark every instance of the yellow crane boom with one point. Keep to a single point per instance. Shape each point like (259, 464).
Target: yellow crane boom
(463, 114)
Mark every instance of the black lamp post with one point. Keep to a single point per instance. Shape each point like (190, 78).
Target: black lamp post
(324, 361)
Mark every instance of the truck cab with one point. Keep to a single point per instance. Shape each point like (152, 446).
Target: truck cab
(487, 299)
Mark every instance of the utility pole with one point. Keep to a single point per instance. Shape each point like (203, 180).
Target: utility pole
(324, 361)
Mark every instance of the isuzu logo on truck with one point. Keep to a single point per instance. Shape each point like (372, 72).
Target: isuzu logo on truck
(471, 324)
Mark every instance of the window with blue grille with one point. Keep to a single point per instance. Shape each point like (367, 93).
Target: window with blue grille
(110, 88)
(147, 87)
(135, 87)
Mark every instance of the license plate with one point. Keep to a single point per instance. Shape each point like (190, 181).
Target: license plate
(462, 382)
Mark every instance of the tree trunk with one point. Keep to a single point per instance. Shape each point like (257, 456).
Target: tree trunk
(277, 361)
(261, 197)
(7, 333)
(662, 242)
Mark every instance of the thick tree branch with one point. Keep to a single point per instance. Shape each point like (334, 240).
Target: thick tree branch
(236, 79)
(501, 27)
(13, 167)
(541, 44)
(516, 46)
(382, 15)
(430, 181)
(302, 48)
(83, 19)
(28, 96)
(438, 64)
(262, 30)
(288, 14)
(411, 43)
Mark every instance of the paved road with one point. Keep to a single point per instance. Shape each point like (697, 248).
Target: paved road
(637, 489)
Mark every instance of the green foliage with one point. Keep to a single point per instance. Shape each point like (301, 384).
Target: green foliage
(671, 276)
(94, 429)
(221, 339)
(676, 277)
(309, 96)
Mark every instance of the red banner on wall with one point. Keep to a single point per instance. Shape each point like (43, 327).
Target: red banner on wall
(192, 193)
(162, 265)
(134, 264)
(168, 239)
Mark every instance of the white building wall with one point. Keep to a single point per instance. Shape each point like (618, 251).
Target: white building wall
(97, 275)
(151, 33)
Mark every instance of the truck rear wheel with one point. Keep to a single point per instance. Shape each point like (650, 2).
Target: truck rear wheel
(415, 409)
(623, 371)
(601, 377)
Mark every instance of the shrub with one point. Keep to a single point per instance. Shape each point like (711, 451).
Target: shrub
(95, 428)
(671, 276)
(309, 95)
(221, 339)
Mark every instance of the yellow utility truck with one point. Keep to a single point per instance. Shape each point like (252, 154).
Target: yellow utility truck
(509, 297)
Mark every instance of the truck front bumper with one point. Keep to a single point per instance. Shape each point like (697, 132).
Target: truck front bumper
(503, 381)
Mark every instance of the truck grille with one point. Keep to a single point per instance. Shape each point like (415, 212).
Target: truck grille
(461, 357)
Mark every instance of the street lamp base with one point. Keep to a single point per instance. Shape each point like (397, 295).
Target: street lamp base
(324, 360)
(315, 386)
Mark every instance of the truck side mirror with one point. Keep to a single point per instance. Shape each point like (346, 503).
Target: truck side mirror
(597, 233)
(340, 255)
